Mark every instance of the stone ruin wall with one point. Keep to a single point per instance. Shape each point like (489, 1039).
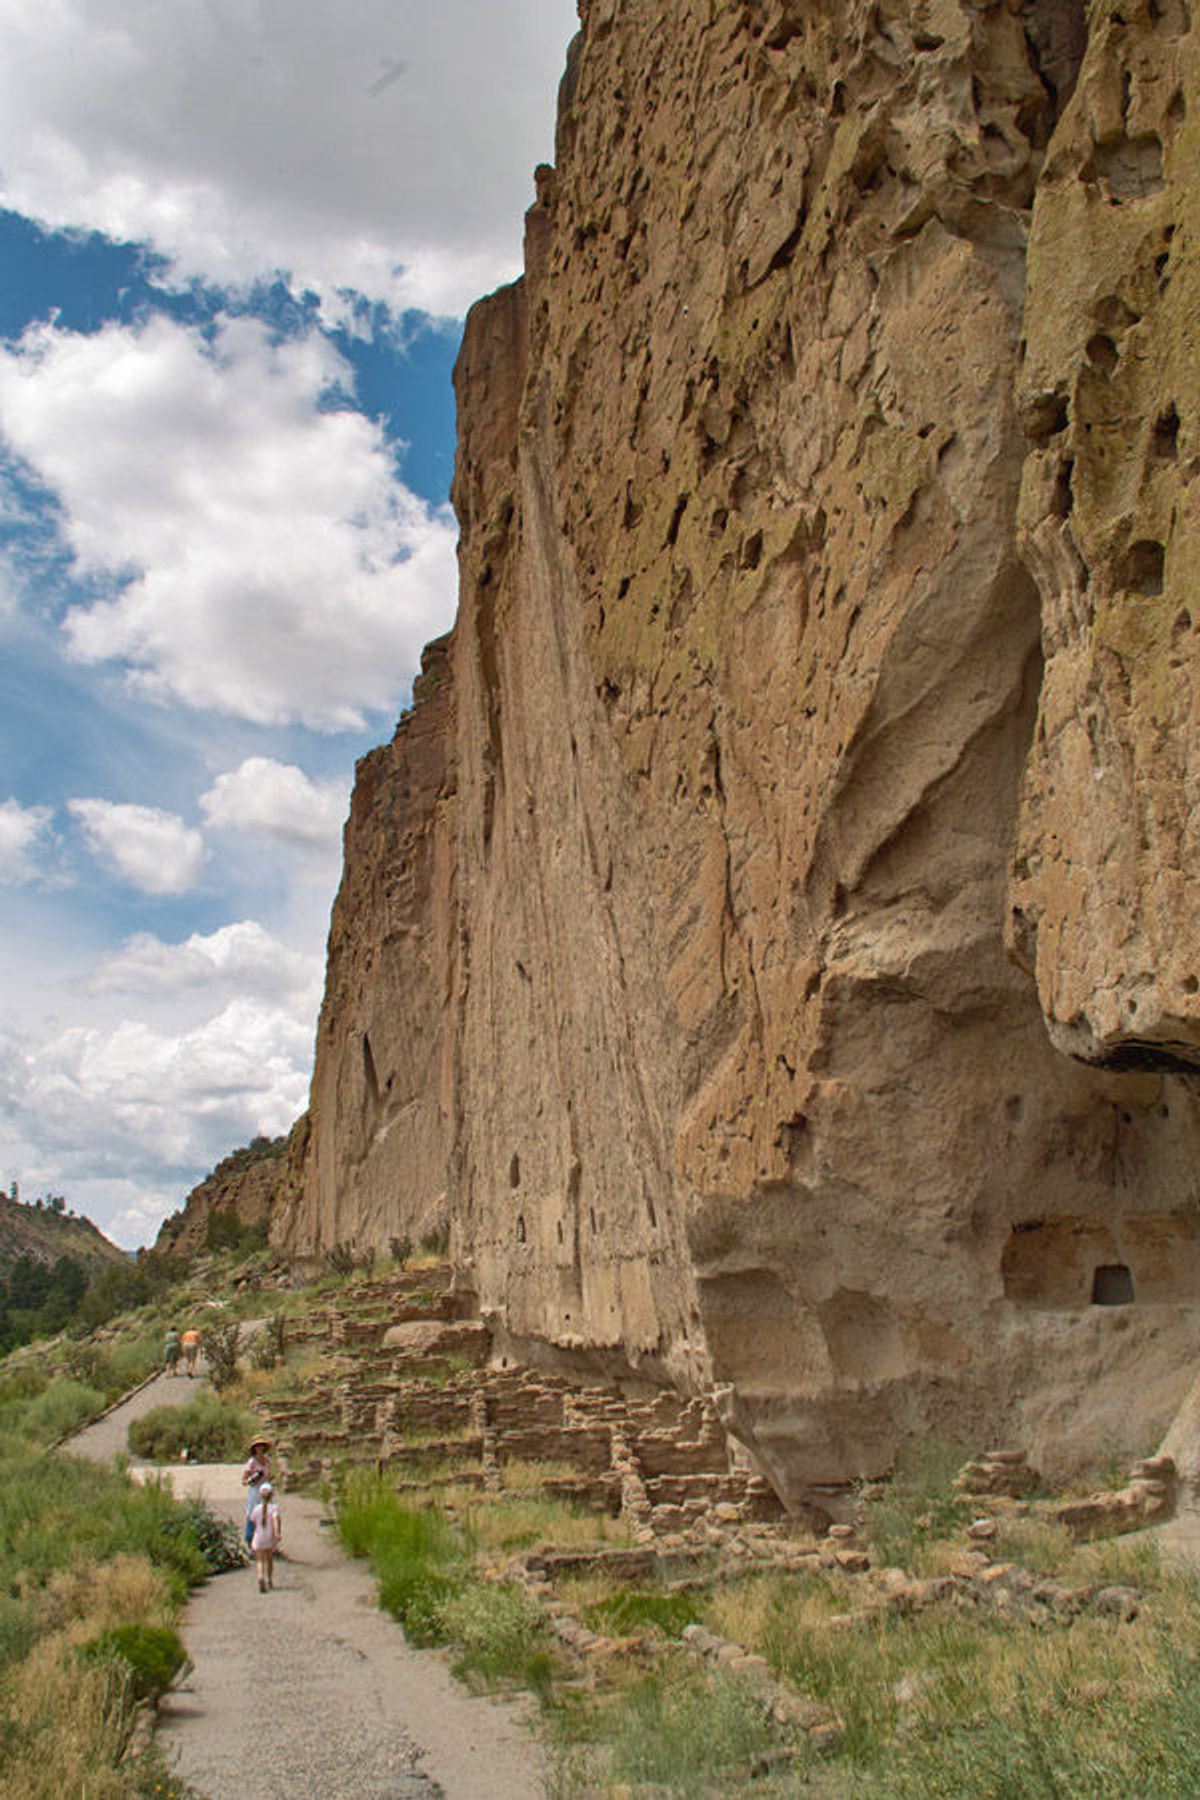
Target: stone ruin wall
(771, 942)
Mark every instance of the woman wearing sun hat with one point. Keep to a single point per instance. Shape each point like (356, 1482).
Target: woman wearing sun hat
(256, 1471)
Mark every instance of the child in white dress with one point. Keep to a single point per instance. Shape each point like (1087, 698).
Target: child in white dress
(268, 1529)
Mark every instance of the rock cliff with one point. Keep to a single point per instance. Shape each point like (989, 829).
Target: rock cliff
(247, 1190)
(772, 936)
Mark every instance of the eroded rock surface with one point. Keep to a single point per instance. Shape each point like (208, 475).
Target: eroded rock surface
(683, 963)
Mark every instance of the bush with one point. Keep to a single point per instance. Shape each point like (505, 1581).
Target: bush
(154, 1653)
(208, 1428)
(220, 1346)
(500, 1633)
(220, 1543)
(268, 1345)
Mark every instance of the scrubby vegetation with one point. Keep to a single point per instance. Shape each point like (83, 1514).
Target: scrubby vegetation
(206, 1428)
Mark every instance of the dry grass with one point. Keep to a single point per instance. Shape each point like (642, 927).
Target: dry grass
(69, 1723)
(516, 1521)
(520, 1475)
(93, 1597)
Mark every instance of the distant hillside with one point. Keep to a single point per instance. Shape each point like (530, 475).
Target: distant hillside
(45, 1234)
(240, 1196)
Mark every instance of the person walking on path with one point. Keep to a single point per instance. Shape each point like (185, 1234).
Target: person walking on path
(268, 1529)
(256, 1471)
(191, 1348)
(171, 1351)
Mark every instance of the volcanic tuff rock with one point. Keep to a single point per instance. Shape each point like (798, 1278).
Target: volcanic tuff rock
(671, 946)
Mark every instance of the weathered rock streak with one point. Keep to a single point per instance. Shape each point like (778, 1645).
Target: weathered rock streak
(818, 728)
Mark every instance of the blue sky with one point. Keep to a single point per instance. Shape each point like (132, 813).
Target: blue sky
(237, 238)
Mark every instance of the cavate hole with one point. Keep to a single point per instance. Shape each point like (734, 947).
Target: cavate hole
(1140, 570)
(1112, 1285)
(751, 554)
(1190, 984)
(514, 1171)
(1164, 442)
(1112, 314)
(1102, 353)
(1064, 497)
(1043, 416)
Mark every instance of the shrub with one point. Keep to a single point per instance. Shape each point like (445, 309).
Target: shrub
(500, 1633)
(220, 1346)
(208, 1428)
(401, 1249)
(154, 1653)
(340, 1259)
(436, 1242)
(269, 1345)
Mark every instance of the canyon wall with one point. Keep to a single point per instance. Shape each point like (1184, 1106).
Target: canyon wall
(772, 941)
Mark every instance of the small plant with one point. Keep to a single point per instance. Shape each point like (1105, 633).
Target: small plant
(500, 1635)
(268, 1347)
(631, 1609)
(341, 1259)
(436, 1242)
(401, 1249)
(154, 1653)
(219, 1343)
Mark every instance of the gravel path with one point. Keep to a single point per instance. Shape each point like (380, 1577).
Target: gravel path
(310, 1692)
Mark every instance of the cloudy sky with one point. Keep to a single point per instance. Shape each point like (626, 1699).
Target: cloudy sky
(237, 238)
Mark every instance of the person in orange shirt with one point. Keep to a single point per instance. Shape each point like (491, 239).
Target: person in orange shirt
(191, 1349)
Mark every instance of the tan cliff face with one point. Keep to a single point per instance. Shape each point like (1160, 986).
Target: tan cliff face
(697, 1007)
(1106, 887)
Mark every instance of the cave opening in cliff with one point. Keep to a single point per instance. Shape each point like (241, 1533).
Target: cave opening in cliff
(1112, 1285)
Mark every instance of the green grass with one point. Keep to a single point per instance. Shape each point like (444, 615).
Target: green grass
(918, 1508)
(56, 1510)
(632, 1609)
(418, 1559)
(688, 1730)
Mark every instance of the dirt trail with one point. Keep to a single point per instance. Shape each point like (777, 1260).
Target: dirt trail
(310, 1690)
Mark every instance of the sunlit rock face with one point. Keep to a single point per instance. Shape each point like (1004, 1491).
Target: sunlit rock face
(699, 971)
(1106, 883)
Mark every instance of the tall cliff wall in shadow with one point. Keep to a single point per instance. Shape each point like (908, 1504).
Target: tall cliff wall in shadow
(824, 532)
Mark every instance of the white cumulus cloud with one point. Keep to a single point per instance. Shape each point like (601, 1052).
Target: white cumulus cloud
(277, 801)
(268, 563)
(23, 830)
(243, 958)
(130, 1100)
(152, 850)
(380, 145)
